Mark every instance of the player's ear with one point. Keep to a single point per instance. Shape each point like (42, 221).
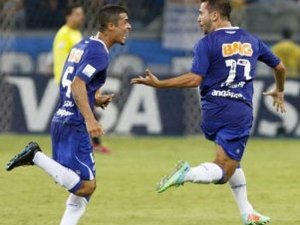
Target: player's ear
(110, 26)
(215, 16)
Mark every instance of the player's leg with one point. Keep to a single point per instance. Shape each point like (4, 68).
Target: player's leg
(75, 208)
(233, 145)
(76, 153)
(96, 141)
(229, 147)
(64, 176)
(32, 155)
(237, 184)
(233, 150)
(72, 150)
(239, 189)
(218, 171)
(99, 147)
(76, 204)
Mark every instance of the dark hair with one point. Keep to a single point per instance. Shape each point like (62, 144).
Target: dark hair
(222, 6)
(287, 33)
(110, 14)
(69, 9)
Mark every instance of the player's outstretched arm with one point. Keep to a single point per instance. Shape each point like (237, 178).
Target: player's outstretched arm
(278, 93)
(187, 80)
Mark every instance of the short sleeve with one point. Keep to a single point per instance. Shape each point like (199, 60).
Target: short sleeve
(91, 64)
(267, 56)
(201, 60)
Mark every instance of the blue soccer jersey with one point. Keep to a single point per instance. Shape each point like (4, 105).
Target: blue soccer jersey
(87, 60)
(226, 59)
(71, 145)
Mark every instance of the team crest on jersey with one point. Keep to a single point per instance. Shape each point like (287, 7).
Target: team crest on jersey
(234, 48)
(89, 70)
(75, 55)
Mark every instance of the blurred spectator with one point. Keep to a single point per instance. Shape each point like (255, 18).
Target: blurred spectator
(278, 12)
(13, 14)
(238, 12)
(297, 2)
(49, 14)
(92, 19)
(45, 14)
(289, 52)
(66, 37)
(143, 12)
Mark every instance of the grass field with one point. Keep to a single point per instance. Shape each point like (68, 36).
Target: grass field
(126, 184)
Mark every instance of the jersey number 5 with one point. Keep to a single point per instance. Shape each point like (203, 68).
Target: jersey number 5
(233, 65)
(66, 82)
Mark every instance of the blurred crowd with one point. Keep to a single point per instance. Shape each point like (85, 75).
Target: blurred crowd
(49, 14)
(255, 14)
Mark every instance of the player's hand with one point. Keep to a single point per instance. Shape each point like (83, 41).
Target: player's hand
(103, 100)
(94, 128)
(150, 79)
(278, 99)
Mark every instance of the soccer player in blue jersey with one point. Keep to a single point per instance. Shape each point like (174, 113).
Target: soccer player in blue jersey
(73, 123)
(223, 68)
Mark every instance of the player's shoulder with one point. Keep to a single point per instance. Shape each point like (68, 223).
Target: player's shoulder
(66, 31)
(62, 31)
(250, 35)
(62, 35)
(96, 45)
(92, 49)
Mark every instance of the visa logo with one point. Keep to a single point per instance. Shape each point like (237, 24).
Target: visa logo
(230, 49)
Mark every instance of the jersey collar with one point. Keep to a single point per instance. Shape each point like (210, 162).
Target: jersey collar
(228, 28)
(96, 39)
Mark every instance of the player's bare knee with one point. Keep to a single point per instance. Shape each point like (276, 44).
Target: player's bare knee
(223, 180)
(228, 166)
(228, 170)
(90, 188)
(87, 188)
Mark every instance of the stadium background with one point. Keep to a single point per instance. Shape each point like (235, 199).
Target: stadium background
(162, 39)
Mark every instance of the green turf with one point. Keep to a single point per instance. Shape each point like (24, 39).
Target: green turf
(126, 184)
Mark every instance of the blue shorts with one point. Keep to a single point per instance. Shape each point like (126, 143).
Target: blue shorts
(228, 126)
(71, 147)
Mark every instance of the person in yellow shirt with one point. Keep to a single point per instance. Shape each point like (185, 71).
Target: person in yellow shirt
(289, 52)
(66, 37)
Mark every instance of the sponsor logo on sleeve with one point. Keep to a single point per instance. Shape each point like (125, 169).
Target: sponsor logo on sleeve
(89, 70)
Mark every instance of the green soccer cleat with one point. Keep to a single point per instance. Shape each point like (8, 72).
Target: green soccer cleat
(255, 219)
(24, 158)
(176, 178)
